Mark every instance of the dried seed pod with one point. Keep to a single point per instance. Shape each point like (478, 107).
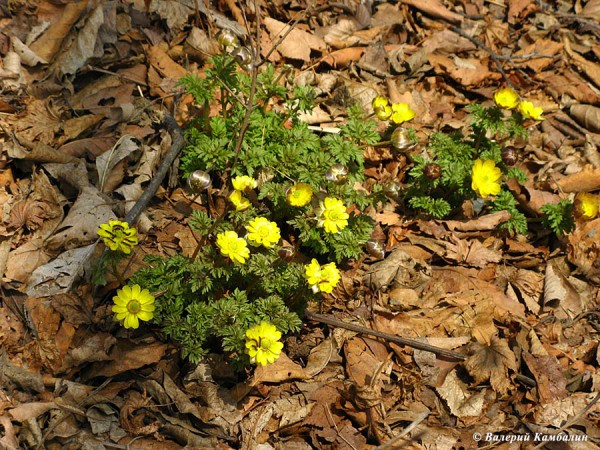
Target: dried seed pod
(401, 139)
(227, 38)
(509, 155)
(375, 249)
(432, 171)
(199, 181)
(242, 55)
(338, 173)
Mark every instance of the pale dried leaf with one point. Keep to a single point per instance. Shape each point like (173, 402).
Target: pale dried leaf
(89, 211)
(559, 295)
(58, 276)
(98, 30)
(584, 250)
(23, 260)
(559, 412)
(458, 398)
(109, 176)
(128, 355)
(27, 411)
(492, 362)
(28, 57)
(398, 269)
(174, 12)
(297, 44)
(592, 9)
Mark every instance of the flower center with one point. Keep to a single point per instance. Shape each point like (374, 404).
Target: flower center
(234, 246)
(134, 307)
(263, 232)
(485, 178)
(265, 343)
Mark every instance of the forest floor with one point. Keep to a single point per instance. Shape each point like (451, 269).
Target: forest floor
(79, 79)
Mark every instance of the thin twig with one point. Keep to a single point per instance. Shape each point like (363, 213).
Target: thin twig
(492, 54)
(176, 146)
(415, 423)
(390, 337)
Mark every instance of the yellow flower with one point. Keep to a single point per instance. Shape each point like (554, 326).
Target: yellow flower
(531, 112)
(322, 278)
(382, 109)
(485, 178)
(233, 247)
(506, 98)
(586, 205)
(244, 183)
(401, 113)
(332, 215)
(263, 232)
(118, 236)
(240, 202)
(133, 304)
(262, 344)
(299, 194)
(380, 102)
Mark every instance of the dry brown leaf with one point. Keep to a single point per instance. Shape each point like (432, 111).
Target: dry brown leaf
(89, 211)
(559, 295)
(592, 9)
(542, 47)
(23, 260)
(128, 355)
(560, 412)
(472, 252)
(459, 399)
(587, 180)
(111, 165)
(49, 43)
(398, 270)
(468, 72)
(436, 9)
(584, 250)
(589, 68)
(341, 34)
(531, 199)
(492, 362)
(297, 44)
(98, 30)
(570, 84)
(342, 58)
(32, 410)
(282, 369)
(9, 438)
(39, 123)
(548, 373)
(363, 358)
(587, 115)
(28, 213)
(28, 57)
(524, 284)
(484, 223)
(173, 11)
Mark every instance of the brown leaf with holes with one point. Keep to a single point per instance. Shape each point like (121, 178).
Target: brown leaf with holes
(492, 362)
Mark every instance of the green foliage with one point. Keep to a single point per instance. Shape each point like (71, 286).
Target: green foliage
(559, 216)
(505, 201)
(206, 303)
(455, 154)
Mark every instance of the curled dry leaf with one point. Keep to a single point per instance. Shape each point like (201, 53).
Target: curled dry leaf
(297, 43)
(559, 295)
(399, 269)
(587, 115)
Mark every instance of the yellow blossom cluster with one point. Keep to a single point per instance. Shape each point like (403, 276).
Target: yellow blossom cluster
(262, 344)
(508, 98)
(396, 112)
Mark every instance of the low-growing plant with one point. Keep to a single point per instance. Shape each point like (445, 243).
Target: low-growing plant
(292, 213)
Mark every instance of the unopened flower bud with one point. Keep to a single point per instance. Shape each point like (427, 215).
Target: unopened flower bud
(375, 249)
(199, 181)
(227, 38)
(392, 189)
(401, 139)
(509, 155)
(338, 173)
(432, 171)
(242, 55)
